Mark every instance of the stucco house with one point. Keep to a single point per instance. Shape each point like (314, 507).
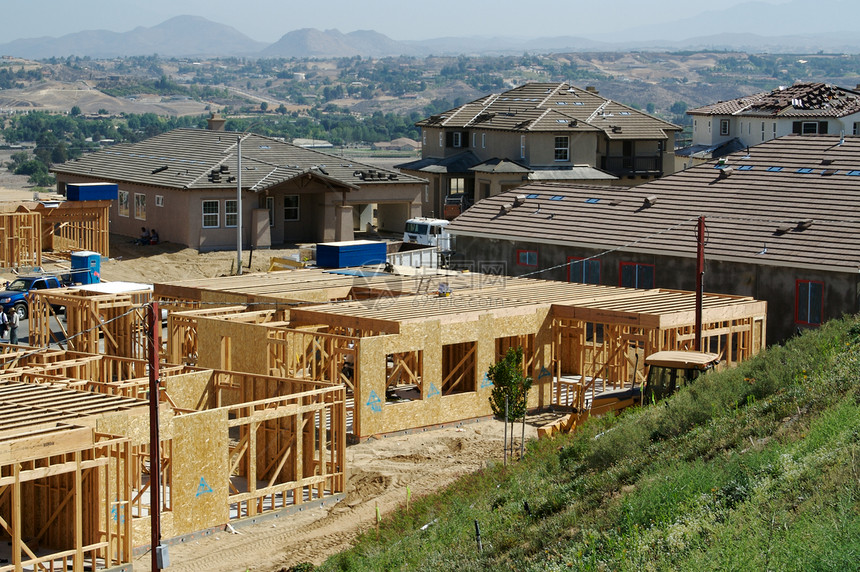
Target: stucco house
(803, 108)
(184, 184)
(781, 226)
(538, 132)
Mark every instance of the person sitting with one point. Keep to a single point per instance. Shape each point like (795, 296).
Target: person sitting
(144, 236)
(153, 236)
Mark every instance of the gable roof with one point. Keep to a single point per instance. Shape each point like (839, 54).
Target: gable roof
(552, 107)
(186, 158)
(810, 99)
(793, 201)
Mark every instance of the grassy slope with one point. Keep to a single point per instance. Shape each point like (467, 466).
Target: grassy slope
(754, 468)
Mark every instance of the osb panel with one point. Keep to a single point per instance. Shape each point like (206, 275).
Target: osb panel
(191, 390)
(200, 471)
(136, 426)
(248, 345)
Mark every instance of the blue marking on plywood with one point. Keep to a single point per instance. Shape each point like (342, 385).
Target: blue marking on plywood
(203, 488)
(374, 403)
(486, 382)
(544, 372)
(433, 390)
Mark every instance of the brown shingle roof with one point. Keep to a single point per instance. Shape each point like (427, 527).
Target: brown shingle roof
(754, 214)
(552, 107)
(185, 159)
(798, 100)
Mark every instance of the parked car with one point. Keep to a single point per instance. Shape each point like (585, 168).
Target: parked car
(15, 294)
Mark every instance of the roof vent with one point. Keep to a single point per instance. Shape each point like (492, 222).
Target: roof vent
(804, 224)
(650, 201)
(519, 200)
(591, 89)
(159, 169)
(505, 209)
(572, 123)
(726, 172)
(783, 229)
(616, 129)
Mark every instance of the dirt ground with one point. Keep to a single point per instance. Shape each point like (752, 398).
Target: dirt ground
(378, 470)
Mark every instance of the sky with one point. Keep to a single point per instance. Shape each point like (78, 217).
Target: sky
(268, 20)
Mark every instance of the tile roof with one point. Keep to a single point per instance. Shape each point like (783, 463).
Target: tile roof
(794, 201)
(185, 159)
(812, 99)
(459, 163)
(536, 107)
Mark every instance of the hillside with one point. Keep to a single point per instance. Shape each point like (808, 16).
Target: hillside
(754, 468)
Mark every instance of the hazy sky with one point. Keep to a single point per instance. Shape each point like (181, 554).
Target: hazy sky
(268, 20)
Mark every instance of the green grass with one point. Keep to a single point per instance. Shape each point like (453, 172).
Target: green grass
(754, 468)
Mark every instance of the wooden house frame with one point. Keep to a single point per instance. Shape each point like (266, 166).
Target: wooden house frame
(21, 244)
(234, 445)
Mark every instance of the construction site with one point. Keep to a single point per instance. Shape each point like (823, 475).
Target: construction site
(264, 379)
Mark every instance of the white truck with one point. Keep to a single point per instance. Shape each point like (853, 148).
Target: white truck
(429, 232)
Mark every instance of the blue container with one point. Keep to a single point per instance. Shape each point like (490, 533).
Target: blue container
(92, 191)
(350, 253)
(86, 267)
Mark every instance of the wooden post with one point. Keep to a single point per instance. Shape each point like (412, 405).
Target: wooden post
(700, 273)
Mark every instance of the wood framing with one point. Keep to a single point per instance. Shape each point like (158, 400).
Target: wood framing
(20, 239)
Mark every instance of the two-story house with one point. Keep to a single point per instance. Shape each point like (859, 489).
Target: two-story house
(538, 132)
(803, 108)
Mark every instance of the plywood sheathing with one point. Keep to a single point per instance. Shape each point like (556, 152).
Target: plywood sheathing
(20, 240)
(52, 482)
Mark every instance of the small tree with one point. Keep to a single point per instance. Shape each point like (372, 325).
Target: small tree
(509, 381)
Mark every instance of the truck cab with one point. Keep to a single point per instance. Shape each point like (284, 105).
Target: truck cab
(428, 231)
(670, 370)
(15, 293)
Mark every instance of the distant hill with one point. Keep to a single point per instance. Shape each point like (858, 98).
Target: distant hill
(176, 37)
(310, 43)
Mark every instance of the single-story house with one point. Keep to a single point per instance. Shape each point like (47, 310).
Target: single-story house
(780, 226)
(184, 184)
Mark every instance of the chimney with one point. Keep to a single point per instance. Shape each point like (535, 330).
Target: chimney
(591, 89)
(215, 123)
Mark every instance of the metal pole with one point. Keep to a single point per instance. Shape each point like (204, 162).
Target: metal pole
(154, 443)
(700, 273)
(239, 204)
(505, 447)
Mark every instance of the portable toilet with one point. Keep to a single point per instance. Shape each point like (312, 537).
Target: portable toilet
(86, 267)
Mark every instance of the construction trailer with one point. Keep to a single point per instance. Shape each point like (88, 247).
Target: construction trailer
(31, 228)
(411, 358)
(233, 445)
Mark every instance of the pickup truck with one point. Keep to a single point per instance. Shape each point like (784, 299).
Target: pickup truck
(15, 294)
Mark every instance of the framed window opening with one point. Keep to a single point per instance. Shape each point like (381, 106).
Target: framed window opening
(724, 127)
(459, 368)
(122, 203)
(441, 139)
(139, 206)
(159, 200)
(635, 275)
(457, 139)
(809, 302)
(562, 148)
(522, 146)
(211, 214)
(527, 258)
(404, 374)
(583, 271)
(270, 206)
(231, 210)
(291, 208)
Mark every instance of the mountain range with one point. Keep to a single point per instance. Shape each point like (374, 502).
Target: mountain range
(195, 36)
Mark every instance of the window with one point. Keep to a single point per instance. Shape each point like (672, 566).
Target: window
(635, 275)
(762, 130)
(474, 139)
(159, 200)
(230, 209)
(583, 271)
(122, 203)
(139, 206)
(562, 149)
(709, 126)
(809, 127)
(522, 146)
(270, 206)
(291, 208)
(774, 130)
(441, 139)
(856, 128)
(527, 257)
(459, 368)
(423, 138)
(724, 127)
(809, 302)
(457, 139)
(210, 214)
(483, 140)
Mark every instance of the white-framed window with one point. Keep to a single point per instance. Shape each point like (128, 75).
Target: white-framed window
(475, 139)
(270, 206)
(211, 214)
(762, 130)
(231, 210)
(562, 148)
(724, 127)
(709, 126)
(810, 127)
(159, 200)
(291, 208)
(441, 139)
(774, 130)
(139, 206)
(457, 139)
(122, 203)
(424, 137)
(483, 140)
(809, 305)
(522, 146)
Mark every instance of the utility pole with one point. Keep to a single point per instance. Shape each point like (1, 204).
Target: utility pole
(154, 443)
(239, 204)
(700, 273)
